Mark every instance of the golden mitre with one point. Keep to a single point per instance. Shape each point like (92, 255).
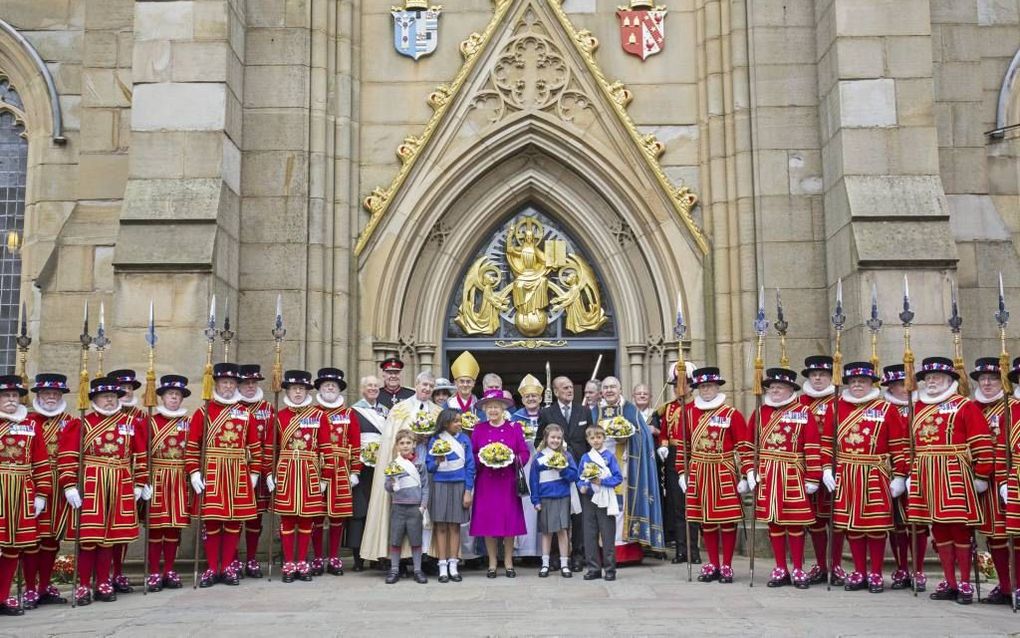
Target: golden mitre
(464, 366)
(530, 384)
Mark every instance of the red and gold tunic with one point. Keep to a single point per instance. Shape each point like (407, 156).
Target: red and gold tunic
(53, 520)
(788, 456)
(24, 474)
(305, 459)
(1002, 469)
(670, 431)
(114, 463)
(712, 484)
(871, 450)
(233, 452)
(171, 489)
(821, 407)
(993, 519)
(262, 413)
(952, 447)
(345, 444)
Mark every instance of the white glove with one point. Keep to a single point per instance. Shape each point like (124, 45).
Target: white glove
(355, 480)
(663, 452)
(197, 483)
(73, 497)
(742, 487)
(146, 492)
(683, 483)
(907, 483)
(897, 486)
(752, 480)
(138, 492)
(40, 505)
(829, 480)
(980, 486)
(254, 479)
(270, 483)
(810, 487)
(1004, 492)
(322, 487)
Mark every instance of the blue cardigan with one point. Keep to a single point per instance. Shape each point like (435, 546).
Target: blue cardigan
(614, 478)
(465, 474)
(551, 489)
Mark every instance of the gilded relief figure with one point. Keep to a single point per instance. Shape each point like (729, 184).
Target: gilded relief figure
(579, 299)
(531, 286)
(481, 302)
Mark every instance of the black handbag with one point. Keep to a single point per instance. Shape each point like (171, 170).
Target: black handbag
(522, 481)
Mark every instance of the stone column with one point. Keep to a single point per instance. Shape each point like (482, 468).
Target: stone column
(885, 208)
(635, 369)
(426, 355)
(177, 239)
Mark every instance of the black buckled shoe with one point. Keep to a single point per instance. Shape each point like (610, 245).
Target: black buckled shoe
(52, 597)
(392, 578)
(420, 577)
(252, 569)
(208, 579)
(708, 574)
(104, 593)
(230, 577)
(817, 575)
(82, 596)
(592, 575)
(318, 567)
(610, 575)
(779, 578)
(304, 572)
(121, 585)
(543, 571)
(11, 607)
(944, 592)
(566, 573)
(996, 597)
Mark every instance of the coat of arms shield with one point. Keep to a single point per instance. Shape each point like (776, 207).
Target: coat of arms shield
(642, 31)
(415, 30)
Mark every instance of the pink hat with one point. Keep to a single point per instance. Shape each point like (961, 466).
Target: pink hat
(495, 394)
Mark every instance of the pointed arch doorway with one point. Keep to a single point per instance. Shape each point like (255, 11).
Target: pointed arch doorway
(529, 296)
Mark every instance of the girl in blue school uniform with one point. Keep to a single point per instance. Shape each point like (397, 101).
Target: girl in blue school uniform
(553, 473)
(451, 465)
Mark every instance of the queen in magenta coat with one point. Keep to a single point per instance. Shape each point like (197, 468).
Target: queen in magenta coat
(497, 511)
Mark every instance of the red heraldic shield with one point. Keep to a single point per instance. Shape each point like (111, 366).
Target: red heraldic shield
(643, 31)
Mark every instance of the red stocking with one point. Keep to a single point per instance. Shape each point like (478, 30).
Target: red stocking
(86, 564)
(336, 531)
(171, 541)
(1000, 558)
(317, 531)
(154, 549)
(252, 531)
(859, 550)
(777, 535)
(117, 554)
(47, 556)
(231, 539)
(30, 568)
(711, 535)
(836, 551)
(729, 541)
(963, 562)
(104, 556)
(8, 565)
(305, 527)
(920, 547)
(819, 542)
(213, 534)
(876, 547)
(899, 542)
(797, 547)
(288, 531)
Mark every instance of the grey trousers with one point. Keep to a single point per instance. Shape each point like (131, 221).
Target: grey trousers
(596, 522)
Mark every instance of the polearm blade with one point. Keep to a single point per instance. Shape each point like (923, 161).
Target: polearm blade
(838, 322)
(955, 323)
(680, 331)
(149, 401)
(761, 327)
(781, 326)
(1002, 319)
(279, 332)
(85, 339)
(207, 395)
(874, 325)
(910, 383)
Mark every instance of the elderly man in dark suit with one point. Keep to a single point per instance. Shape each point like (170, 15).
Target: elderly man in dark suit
(573, 418)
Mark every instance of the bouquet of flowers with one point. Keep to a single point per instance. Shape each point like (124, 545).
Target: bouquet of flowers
(468, 421)
(557, 461)
(530, 428)
(423, 423)
(394, 469)
(369, 453)
(617, 427)
(496, 455)
(440, 448)
(590, 472)
(63, 569)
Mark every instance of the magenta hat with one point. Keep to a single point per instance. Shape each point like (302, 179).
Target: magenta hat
(496, 394)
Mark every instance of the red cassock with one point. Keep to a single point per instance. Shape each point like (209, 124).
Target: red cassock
(262, 413)
(952, 447)
(714, 435)
(821, 407)
(171, 489)
(1010, 475)
(345, 444)
(993, 512)
(304, 461)
(114, 463)
(788, 456)
(233, 452)
(24, 474)
(871, 450)
(53, 521)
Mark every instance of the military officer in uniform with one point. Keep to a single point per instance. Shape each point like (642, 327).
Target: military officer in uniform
(894, 382)
(262, 413)
(393, 391)
(674, 506)
(129, 383)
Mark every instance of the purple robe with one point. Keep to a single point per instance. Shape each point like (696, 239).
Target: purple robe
(497, 509)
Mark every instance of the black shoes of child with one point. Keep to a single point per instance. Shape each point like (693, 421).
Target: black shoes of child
(592, 575)
(543, 572)
(610, 575)
(392, 578)
(420, 577)
(565, 572)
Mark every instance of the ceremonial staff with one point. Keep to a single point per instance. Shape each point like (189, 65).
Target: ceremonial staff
(279, 332)
(226, 334)
(207, 393)
(548, 394)
(595, 372)
(955, 327)
(1002, 318)
(101, 341)
(761, 326)
(838, 321)
(874, 325)
(781, 326)
(680, 329)
(910, 384)
(83, 404)
(23, 341)
(149, 401)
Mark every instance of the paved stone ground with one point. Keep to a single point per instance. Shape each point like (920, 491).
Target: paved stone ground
(653, 599)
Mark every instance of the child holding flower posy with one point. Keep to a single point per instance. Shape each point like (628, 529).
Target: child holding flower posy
(410, 490)
(451, 463)
(552, 473)
(600, 474)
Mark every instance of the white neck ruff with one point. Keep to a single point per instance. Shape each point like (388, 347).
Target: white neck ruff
(330, 405)
(124, 403)
(17, 416)
(60, 409)
(928, 399)
(701, 404)
(100, 410)
(297, 406)
(1016, 392)
(818, 394)
(171, 414)
(891, 399)
(255, 399)
(231, 401)
(981, 397)
(779, 404)
(870, 396)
